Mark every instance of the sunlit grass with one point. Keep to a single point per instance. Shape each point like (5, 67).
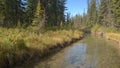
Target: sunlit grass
(98, 28)
(18, 42)
(114, 35)
(108, 32)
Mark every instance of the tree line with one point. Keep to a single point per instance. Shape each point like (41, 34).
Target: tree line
(32, 12)
(102, 12)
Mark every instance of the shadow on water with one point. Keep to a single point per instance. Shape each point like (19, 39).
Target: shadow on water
(91, 52)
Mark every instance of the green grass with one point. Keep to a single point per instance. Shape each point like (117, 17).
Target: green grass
(98, 28)
(16, 43)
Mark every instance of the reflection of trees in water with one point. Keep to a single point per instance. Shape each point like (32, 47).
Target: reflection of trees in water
(101, 54)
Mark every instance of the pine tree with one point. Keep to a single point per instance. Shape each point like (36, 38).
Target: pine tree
(115, 7)
(102, 12)
(38, 14)
(27, 12)
(55, 12)
(12, 12)
(91, 13)
(2, 8)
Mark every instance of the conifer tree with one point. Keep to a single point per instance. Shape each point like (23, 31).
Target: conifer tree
(102, 12)
(115, 7)
(38, 14)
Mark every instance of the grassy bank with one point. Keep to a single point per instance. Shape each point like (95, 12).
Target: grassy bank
(19, 45)
(108, 33)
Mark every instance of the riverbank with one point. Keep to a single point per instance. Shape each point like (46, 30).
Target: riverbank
(20, 45)
(110, 36)
(108, 33)
(90, 52)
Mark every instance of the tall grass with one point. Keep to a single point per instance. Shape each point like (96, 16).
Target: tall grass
(98, 28)
(109, 32)
(17, 43)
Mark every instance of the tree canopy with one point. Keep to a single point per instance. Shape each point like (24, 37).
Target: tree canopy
(32, 12)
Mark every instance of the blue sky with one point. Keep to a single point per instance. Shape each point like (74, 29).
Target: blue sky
(76, 6)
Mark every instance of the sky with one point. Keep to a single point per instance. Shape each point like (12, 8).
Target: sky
(76, 6)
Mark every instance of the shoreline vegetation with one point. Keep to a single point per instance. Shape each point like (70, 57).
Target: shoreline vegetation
(108, 33)
(20, 45)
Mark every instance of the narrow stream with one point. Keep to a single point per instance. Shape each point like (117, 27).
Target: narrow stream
(91, 52)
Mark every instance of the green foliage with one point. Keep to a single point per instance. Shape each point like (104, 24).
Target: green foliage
(38, 14)
(88, 19)
(115, 5)
(95, 28)
(104, 13)
(92, 13)
(32, 12)
(99, 28)
(12, 12)
(55, 12)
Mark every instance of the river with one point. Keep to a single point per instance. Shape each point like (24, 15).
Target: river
(91, 52)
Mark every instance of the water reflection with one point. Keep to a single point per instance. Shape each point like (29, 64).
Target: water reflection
(75, 56)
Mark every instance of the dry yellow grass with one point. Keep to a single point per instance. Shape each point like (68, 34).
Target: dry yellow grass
(16, 43)
(114, 35)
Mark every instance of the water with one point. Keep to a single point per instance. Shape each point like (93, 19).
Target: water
(91, 52)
